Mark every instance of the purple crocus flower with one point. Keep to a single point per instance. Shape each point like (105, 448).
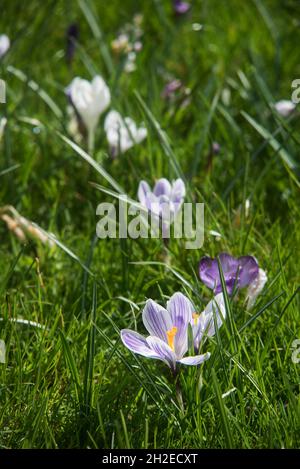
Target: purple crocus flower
(181, 7)
(168, 329)
(240, 271)
(164, 201)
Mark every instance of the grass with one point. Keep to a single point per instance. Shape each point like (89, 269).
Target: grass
(71, 383)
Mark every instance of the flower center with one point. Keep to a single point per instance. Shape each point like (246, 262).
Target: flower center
(195, 317)
(170, 337)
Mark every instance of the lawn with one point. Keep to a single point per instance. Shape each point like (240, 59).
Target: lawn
(203, 85)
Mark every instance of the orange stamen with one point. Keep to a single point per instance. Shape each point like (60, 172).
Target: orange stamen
(171, 336)
(195, 317)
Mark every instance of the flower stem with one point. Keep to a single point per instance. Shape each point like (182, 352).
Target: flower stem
(178, 391)
(91, 141)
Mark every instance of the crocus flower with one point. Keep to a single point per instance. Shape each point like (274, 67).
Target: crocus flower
(90, 99)
(180, 7)
(122, 132)
(215, 148)
(239, 272)
(285, 107)
(168, 330)
(170, 88)
(165, 200)
(4, 44)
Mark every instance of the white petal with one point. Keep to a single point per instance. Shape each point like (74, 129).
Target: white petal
(195, 360)
(256, 287)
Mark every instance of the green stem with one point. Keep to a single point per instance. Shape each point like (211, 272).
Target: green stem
(91, 142)
(178, 391)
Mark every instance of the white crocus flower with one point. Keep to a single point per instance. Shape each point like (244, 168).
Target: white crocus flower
(4, 44)
(285, 107)
(90, 100)
(122, 132)
(256, 287)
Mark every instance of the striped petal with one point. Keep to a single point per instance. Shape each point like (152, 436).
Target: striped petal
(196, 360)
(157, 320)
(206, 322)
(164, 352)
(180, 309)
(137, 343)
(143, 192)
(248, 270)
(162, 187)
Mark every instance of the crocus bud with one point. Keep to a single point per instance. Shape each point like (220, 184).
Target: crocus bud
(72, 38)
(90, 99)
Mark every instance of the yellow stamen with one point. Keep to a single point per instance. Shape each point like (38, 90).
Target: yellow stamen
(170, 337)
(195, 317)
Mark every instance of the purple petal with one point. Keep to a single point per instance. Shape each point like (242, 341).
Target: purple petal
(195, 360)
(157, 320)
(208, 272)
(163, 351)
(143, 192)
(181, 310)
(181, 7)
(137, 343)
(178, 191)
(248, 270)
(229, 264)
(162, 187)
(170, 88)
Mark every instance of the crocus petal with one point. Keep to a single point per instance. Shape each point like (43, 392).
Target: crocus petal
(195, 360)
(143, 191)
(181, 7)
(4, 44)
(164, 352)
(137, 343)
(122, 133)
(206, 323)
(181, 310)
(90, 99)
(229, 264)
(112, 120)
(141, 134)
(248, 270)
(285, 107)
(157, 320)
(178, 191)
(210, 276)
(256, 287)
(162, 187)
(208, 272)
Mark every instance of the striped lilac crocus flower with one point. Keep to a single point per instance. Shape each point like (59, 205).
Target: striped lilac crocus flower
(168, 330)
(164, 201)
(238, 272)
